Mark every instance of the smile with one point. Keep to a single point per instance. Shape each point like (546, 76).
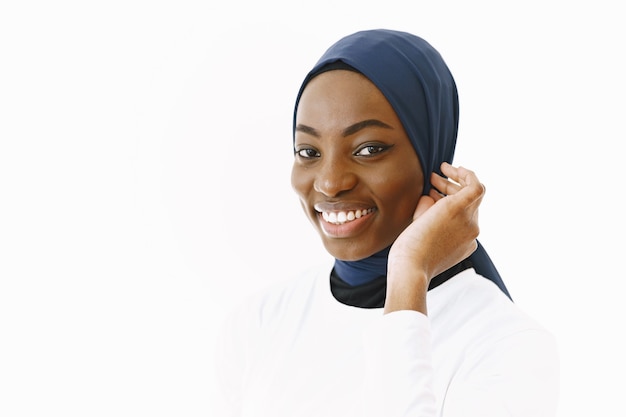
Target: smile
(341, 217)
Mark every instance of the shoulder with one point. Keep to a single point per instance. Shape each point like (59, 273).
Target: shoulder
(492, 345)
(474, 307)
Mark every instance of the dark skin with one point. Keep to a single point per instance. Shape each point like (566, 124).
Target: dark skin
(360, 183)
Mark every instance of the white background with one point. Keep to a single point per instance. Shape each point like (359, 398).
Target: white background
(145, 150)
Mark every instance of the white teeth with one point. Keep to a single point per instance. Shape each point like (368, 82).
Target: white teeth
(343, 217)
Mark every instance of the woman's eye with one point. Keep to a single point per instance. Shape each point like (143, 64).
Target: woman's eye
(307, 153)
(370, 150)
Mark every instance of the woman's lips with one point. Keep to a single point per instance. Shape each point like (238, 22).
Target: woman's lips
(343, 224)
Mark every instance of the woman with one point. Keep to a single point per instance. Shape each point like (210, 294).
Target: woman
(412, 319)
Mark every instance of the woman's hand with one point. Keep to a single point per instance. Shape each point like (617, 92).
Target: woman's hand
(442, 234)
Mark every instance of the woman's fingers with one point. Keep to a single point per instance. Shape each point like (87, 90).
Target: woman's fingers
(458, 178)
(443, 185)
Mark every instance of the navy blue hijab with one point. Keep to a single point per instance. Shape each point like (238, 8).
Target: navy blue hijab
(416, 81)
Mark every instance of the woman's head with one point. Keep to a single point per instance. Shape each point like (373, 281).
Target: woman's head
(376, 115)
(355, 171)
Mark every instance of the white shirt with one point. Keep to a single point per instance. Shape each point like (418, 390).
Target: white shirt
(296, 351)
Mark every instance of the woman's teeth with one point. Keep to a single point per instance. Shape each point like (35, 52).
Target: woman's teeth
(341, 217)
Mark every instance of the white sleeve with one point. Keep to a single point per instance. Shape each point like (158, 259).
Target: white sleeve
(399, 372)
(516, 376)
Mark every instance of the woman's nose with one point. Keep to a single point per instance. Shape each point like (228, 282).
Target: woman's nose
(334, 177)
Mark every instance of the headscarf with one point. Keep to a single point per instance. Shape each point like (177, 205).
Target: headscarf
(416, 81)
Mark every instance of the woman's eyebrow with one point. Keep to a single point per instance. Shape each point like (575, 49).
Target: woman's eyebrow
(362, 125)
(307, 129)
(350, 130)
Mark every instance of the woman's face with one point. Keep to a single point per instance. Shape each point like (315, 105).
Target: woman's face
(355, 170)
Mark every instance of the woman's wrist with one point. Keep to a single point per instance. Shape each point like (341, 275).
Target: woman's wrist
(406, 292)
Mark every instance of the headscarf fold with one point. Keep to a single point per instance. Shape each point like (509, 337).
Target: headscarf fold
(417, 83)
